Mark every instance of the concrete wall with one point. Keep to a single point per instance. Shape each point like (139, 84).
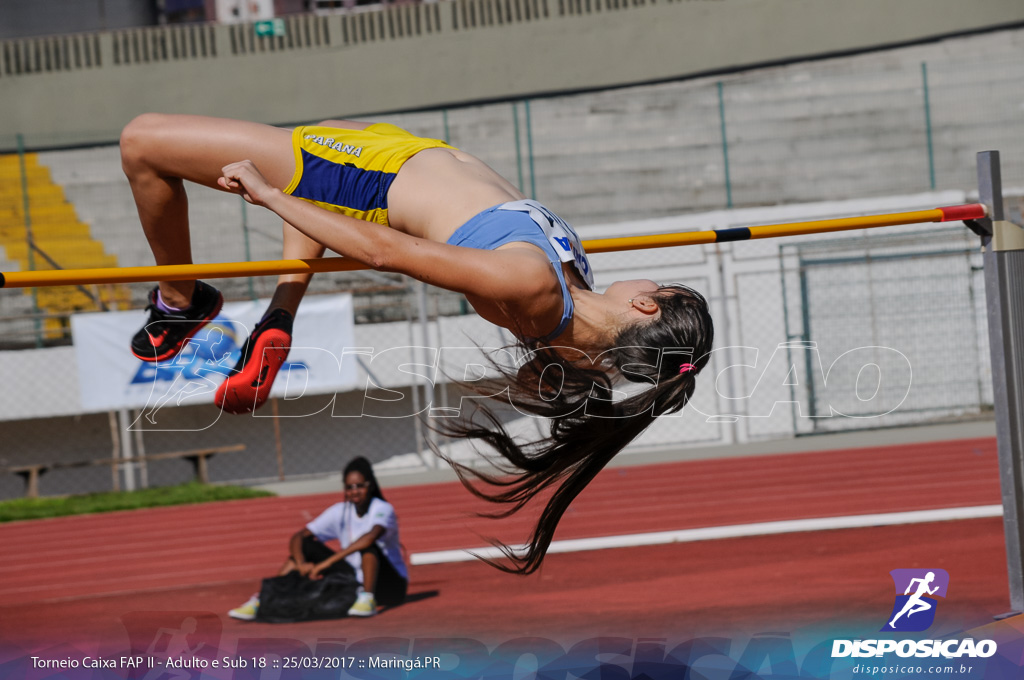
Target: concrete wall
(85, 88)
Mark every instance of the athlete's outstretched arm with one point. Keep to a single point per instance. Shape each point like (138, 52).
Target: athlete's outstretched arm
(516, 276)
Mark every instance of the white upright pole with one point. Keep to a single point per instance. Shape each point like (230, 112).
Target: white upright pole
(127, 468)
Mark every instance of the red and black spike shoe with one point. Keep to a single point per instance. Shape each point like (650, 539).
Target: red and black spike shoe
(248, 385)
(165, 333)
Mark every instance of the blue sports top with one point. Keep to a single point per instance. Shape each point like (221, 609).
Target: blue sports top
(528, 221)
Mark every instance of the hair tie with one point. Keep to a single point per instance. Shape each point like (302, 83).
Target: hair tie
(686, 368)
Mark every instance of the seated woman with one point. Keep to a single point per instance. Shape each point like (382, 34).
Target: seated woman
(366, 527)
(416, 206)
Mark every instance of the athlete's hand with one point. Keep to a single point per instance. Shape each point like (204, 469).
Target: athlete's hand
(245, 179)
(318, 571)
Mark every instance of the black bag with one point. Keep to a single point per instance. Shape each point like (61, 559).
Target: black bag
(292, 597)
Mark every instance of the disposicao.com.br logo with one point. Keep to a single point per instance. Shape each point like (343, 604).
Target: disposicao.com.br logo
(914, 611)
(915, 605)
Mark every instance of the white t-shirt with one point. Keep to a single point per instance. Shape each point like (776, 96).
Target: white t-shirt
(341, 522)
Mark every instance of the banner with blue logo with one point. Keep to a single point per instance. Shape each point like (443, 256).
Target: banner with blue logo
(111, 378)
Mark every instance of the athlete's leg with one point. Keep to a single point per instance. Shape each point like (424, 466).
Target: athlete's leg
(266, 349)
(159, 151)
(248, 386)
(291, 287)
(365, 604)
(371, 565)
(903, 611)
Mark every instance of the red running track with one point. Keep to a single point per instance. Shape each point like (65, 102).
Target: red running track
(81, 580)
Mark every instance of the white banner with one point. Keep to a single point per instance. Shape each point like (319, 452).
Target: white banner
(111, 378)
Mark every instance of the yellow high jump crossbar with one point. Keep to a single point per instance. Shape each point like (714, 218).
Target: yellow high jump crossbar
(223, 270)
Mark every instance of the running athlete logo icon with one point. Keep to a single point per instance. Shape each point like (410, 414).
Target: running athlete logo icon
(914, 609)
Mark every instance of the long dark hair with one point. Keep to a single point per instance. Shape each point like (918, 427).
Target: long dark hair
(590, 423)
(363, 467)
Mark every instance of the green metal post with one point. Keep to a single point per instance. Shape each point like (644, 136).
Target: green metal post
(519, 153)
(248, 252)
(529, 151)
(789, 334)
(725, 146)
(806, 315)
(928, 126)
(29, 241)
(447, 131)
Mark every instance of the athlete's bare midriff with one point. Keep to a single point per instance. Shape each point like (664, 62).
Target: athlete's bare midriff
(438, 190)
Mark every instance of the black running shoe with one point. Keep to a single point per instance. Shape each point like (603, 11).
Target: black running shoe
(248, 385)
(165, 333)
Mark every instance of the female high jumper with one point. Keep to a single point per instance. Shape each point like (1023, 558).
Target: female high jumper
(400, 203)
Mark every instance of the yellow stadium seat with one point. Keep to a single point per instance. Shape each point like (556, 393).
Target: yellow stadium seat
(57, 231)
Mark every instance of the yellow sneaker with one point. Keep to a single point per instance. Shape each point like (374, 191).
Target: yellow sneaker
(247, 612)
(365, 605)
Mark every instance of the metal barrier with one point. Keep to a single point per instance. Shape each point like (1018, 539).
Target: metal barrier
(179, 272)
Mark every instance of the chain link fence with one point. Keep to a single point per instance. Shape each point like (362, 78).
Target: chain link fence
(910, 307)
(835, 130)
